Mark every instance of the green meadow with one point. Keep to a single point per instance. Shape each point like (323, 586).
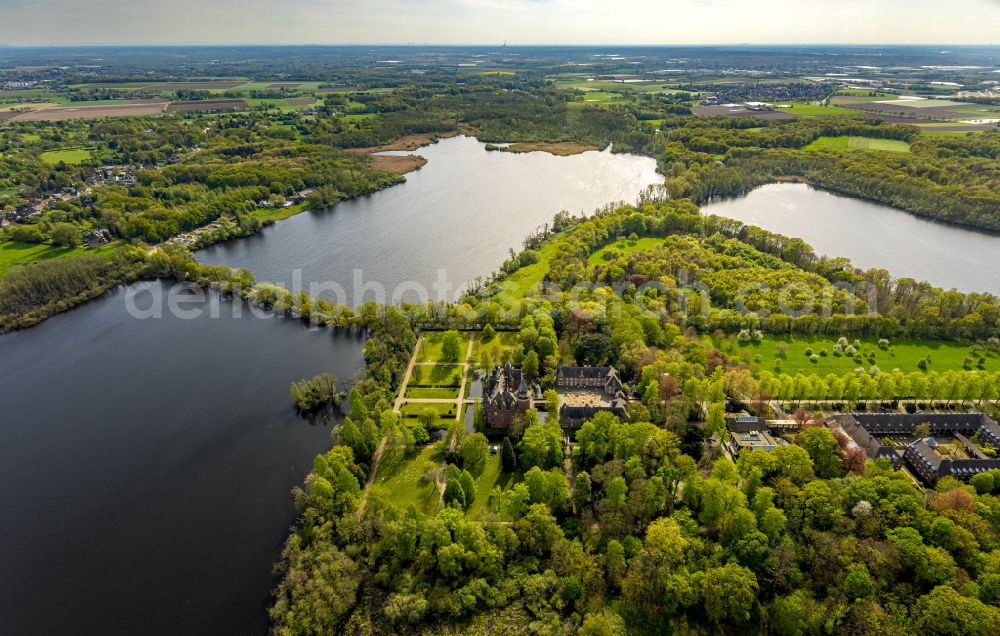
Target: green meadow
(528, 278)
(69, 156)
(623, 248)
(13, 253)
(905, 355)
(402, 481)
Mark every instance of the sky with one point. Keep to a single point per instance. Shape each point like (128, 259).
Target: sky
(519, 22)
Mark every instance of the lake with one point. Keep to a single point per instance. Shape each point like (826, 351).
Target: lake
(454, 219)
(872, 235)
(147, 466)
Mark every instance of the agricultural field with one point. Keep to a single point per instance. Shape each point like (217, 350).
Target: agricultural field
(609, 85)
(791, 355)
(866, 93)
(812, 110)
(69, 156)
(197, 85)
(112, 85)
(928, 109)
(287, 105)
(356, 117)
(402, 479)
(62, 113)
(858, 143)
(201, 106)
(928, 103)
(949, 131)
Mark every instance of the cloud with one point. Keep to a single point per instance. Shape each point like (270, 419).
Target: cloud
(44, 22)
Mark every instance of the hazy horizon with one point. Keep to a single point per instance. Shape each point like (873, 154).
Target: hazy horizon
(31, 23)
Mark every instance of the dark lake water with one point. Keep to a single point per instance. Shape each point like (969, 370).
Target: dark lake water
(454, 219)
(146, 467)
(873, 235)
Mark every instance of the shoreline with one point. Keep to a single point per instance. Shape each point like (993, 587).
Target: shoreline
(557, 148)
(840, 193)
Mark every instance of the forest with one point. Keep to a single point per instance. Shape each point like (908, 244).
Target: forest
(645, 527)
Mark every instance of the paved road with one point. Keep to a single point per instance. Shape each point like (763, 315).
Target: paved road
(406, 376)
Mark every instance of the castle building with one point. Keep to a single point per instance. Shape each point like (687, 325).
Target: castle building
(586, 391)
(506, 396)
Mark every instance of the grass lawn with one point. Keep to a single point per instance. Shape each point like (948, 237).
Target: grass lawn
(412, 410)
(623, 247)
(858, 143)
(450, 393)
(528, 278)
(69, 156)
(401, 479)
(436, 375)
(491, 477)
(280, 214)
(13, 254)
(501, 347)
(430, 348)
(902, 354)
